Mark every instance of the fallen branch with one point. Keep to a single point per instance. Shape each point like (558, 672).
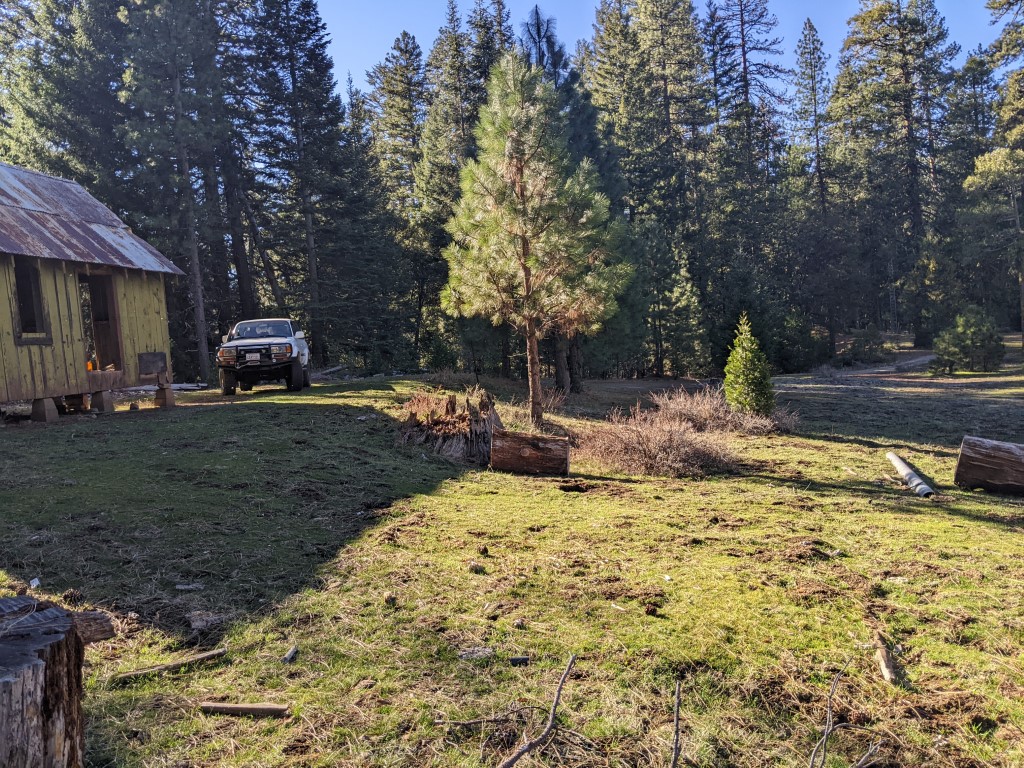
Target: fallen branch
(172, 666)
(484, 720)
(244, 710)
(676, 746)
(819, 756)
(533, 744)
(886, 663)
(292, 654)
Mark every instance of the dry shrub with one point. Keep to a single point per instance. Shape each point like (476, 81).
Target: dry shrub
(646, 442)
(707, 411)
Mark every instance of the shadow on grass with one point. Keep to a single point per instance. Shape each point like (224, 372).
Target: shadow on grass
(193, 519)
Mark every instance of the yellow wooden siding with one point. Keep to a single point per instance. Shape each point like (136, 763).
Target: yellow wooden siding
(34, 371)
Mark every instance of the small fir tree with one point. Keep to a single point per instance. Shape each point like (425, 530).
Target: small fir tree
(748, 380)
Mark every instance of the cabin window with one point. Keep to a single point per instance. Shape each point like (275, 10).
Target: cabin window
(31, 326)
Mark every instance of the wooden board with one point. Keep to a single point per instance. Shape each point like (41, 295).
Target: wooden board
(991, 466)
(526, 454)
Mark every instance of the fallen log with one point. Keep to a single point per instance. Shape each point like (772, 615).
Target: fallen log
(527, 454)
(910, 477)
(244, 710)
(42, 650)
(172, 666)
(991, 466)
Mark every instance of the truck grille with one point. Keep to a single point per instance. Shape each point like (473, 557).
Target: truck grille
(244, 352)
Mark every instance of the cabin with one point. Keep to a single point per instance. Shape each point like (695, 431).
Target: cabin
(83, 308)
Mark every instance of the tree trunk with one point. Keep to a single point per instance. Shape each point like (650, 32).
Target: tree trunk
(562, 377)
(236, 228)
(533, 372)
(529, 454)
(990, 465)
(41, 657)
(261, 248)
(195, 269)
(576, 365)
(506, 352)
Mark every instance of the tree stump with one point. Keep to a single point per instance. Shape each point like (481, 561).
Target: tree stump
(528, 454)
(42, 649)
(990, 465)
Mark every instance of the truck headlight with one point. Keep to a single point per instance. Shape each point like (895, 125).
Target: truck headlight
(281, 349)
(227, 355)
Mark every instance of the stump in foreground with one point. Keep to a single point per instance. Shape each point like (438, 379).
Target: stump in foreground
(528, 454)
(42, 648)
(991, 466)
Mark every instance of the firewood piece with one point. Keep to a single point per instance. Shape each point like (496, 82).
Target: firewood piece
(41, 657)
(172, 666)
(991, 466)
(527, 454)
(244, 710)
(886, 664)
(93, 626)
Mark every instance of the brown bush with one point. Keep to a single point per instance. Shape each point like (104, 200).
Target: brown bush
(646, 442)
(707, 411)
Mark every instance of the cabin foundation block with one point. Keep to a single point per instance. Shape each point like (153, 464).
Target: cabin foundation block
(103, 401)
(44, 410)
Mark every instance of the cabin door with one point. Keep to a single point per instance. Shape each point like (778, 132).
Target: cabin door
(100, 320)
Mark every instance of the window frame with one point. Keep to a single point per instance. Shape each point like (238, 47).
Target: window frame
(23, 338)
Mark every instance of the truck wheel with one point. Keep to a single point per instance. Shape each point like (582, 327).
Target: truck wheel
(294, 380)
(305, 378)
(227, 382)
(245, 386)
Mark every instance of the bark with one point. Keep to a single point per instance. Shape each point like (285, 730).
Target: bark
(576, 365)
(41, 657)
(236, 228)
(529, 454)
(192, 240)
(533, 372)
(991, 466)
(562, 375)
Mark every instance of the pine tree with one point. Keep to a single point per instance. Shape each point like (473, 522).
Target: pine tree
(399, 99)
(748, 382)
(813, 91)
(530, 233)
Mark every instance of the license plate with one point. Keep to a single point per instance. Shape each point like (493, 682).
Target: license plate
(252, 357)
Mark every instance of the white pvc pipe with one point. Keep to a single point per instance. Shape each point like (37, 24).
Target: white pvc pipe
(910, 477)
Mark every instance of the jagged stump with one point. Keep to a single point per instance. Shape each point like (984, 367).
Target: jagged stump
(42, 649)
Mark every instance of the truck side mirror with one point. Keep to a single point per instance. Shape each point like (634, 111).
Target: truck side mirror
(300, 335)
(224, 339)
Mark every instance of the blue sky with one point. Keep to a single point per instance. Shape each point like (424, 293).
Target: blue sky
(362, 32)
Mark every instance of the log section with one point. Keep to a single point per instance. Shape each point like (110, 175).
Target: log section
(528, 454)
(990, 465)
(41, 658)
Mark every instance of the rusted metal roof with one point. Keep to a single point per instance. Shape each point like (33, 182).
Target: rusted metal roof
(51, 218)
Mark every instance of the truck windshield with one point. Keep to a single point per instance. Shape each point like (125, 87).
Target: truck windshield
(261, 329)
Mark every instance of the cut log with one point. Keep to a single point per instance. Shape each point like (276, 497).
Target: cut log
(41, 658)
(93, 626)
(991, 466)
(527, 454)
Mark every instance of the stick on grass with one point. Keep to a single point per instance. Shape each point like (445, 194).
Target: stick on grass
(533, 744)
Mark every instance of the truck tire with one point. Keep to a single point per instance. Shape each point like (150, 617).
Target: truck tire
(227, 382)
(306, 383)
(294, 380)
(245, 386)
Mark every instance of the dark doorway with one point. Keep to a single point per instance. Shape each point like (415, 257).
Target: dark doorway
(100, 320)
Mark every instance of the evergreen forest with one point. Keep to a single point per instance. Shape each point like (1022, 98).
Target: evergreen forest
(709, 172)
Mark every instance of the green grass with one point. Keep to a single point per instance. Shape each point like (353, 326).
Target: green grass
(298, 515)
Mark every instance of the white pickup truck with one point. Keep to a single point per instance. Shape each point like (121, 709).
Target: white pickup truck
(272, 349)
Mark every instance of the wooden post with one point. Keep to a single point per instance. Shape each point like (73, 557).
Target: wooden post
(42, 648)
(990, 465)
(528, 454)
(103, 401)
(164, 391)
